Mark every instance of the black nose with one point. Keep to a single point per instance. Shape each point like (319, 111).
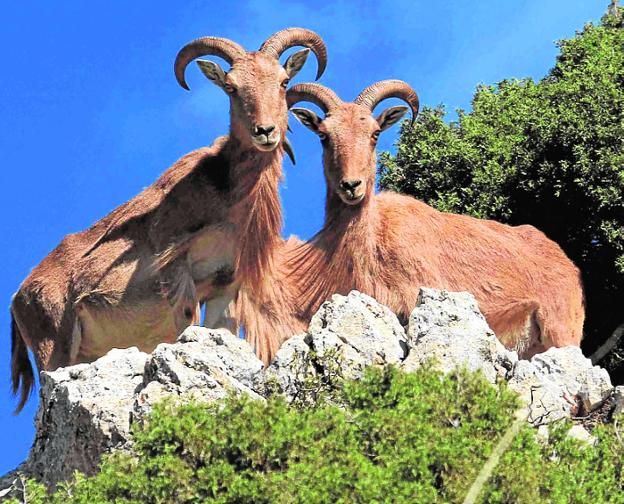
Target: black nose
(349, 185)
(263, 129)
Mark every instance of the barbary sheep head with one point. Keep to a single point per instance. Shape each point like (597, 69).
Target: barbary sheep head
(349, 132)
(256, 82)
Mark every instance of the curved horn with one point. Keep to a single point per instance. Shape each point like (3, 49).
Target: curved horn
(205, 46)
(391, 88)
(277, 43)
(318, 94)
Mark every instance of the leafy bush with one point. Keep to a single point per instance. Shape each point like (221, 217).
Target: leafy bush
(559, 471)
(547, 153)
(396, 437)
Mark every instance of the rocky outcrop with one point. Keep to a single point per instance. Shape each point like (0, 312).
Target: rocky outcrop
(345, 336)
(448, 328)
(84, 411)
(204, 365)
(88, 409)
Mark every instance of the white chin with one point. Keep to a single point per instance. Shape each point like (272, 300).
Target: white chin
(349, 201)
(268, 146)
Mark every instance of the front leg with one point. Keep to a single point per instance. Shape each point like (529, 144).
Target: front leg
(178, 287)
(220, 310)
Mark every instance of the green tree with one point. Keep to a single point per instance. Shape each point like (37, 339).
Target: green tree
(547, 153)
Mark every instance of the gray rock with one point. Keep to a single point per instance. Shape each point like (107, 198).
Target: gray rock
(579, 433)
(358, 331)
(559, 381)
(548, 401)
(447, 329)
(568, 365)
(221, 349)
(542, 433)
(595, 390)
(84, 411)
(290, 368)
(205, 365)
(346, 335)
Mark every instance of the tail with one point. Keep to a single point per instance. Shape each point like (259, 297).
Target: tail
(21, 369)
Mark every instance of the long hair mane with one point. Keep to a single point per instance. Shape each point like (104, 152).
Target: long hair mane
(339, 258)
(257, 213)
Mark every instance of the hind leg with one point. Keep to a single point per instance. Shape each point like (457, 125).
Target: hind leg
(48, 339)
(530, 327)
(519, 327)
(50, 353)
(558, 332)
(178, 287)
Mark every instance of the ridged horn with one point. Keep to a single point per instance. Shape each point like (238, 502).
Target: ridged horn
(277, 43)
(205, 46)
(392, 88)
(318, 94)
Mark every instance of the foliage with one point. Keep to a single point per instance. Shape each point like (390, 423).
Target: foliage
(394, 437)
(316, 378)
(547, 153)
(561, 470)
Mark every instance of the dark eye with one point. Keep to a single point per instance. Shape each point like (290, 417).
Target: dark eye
(285, 83)
(229, 89)
(375, 135)
(322, 136)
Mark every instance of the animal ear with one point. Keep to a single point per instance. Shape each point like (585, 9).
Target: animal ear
(213, 71)
(295, 62)
(390, 116)
(306, 117)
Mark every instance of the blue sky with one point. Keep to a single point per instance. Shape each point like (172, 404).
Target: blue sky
(91, 113)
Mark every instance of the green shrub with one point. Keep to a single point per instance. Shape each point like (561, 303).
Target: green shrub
(560, 471)
(395, 437)
(547, 153)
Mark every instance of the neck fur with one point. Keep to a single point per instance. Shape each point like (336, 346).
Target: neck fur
(256, 211)
(343, 255)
